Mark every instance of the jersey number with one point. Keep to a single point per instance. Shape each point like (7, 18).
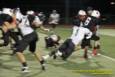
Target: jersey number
(76, 32)
(87, 21)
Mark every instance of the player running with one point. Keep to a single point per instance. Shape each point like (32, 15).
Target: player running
(30, 39)
(91, 23)
(9, 33)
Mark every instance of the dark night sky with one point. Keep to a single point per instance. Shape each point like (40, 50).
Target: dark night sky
(47, 5)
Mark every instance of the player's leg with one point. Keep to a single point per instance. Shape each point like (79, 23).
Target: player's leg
(64, 51)
(52, 54)
(53, 26)
(19, 52)
(22, 60)
(68, 51)
(57, 52)
(86, 52)
(85, 46)
(37, 54)
(96, 44)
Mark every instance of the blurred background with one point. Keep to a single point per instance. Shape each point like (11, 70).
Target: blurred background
(66, 8)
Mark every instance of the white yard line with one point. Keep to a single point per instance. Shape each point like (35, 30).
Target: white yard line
(108, 34)
(112, 59)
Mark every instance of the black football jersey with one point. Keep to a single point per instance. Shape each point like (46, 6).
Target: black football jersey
(91, 23)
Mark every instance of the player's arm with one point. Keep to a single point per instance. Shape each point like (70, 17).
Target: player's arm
(38, 24)
(45, 29)
(9, 25)
(89, 34)
(74, 31)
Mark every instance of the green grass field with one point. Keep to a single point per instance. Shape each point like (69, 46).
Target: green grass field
(75, 66)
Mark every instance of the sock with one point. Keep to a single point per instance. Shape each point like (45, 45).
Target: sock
(24, 64)
(42, 62)
(85, 53)
(95, 51)
(58, 53)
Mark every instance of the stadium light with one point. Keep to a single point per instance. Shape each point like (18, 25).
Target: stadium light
(112, 3)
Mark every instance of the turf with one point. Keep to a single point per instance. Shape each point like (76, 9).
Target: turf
(75, 66)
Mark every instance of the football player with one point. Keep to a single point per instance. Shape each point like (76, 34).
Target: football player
(9, 33)
(52, 41)
(30, 39)
(54, 19)
(91, 23)
(42, 17)
(96, 37)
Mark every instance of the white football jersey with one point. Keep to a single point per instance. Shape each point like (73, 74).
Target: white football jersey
(79, 33)
(54, 18)
(25, 27)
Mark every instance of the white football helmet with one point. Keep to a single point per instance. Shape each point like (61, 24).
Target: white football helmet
(82, 12)
(31, 12)
(96, 13)
(54, 37)
(7, 11)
